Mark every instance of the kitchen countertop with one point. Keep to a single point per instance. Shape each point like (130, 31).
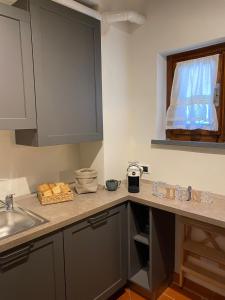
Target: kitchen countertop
(64, 214)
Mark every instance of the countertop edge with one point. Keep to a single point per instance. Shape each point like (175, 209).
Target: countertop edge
(178, 212)
(49, 227)
(42, 230)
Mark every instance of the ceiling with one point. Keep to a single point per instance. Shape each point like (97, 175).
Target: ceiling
(7, 1)
(140, 6)
(110, 5)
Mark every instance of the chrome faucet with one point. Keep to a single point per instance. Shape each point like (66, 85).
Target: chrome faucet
(9, 202)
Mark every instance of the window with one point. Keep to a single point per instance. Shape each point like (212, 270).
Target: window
(195, 95)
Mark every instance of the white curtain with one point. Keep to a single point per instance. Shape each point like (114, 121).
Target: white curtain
(192, 97)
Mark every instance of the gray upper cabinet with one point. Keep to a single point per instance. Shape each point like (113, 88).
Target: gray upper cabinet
(67, 69)
(17, 98)
(96, 256)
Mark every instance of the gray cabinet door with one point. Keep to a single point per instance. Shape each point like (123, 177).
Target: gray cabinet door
(67, 68)
(96, 256)
(17, 99)
(34, 271)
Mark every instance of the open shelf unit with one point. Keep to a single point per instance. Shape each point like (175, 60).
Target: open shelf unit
(204, 274)
(139, 237)
(141, 278)
(151, 249)
(142, 238)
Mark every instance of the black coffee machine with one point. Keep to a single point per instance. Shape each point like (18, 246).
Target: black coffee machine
(134, 173)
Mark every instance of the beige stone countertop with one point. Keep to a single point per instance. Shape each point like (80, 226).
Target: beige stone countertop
(67, 213)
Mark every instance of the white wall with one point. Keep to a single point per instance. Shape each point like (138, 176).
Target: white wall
(115, 76)
(37, 165)
(172, 25)
(46, 164)
(111, 157)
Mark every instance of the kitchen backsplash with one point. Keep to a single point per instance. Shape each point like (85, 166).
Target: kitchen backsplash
(32, 166)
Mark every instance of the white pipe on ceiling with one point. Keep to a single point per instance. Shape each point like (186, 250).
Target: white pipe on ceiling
(130, 16)
(108, 17)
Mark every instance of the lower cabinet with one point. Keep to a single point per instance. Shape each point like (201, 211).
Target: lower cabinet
(92, 259)
(85, 261)
(96, 256)
(34, 271)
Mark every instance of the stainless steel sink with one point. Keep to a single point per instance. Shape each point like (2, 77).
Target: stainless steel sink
(17, 220)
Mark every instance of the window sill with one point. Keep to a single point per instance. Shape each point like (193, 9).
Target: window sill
(209, 145)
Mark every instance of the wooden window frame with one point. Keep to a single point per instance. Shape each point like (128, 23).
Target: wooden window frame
(199, 135)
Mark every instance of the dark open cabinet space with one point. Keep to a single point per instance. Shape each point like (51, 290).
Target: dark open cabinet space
(151, 238)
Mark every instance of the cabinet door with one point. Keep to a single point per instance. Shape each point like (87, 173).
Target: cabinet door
(34, 271)
(67, 68)
(17, 100)
(96, 256)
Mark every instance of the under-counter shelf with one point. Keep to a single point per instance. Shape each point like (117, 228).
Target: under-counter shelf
(141, 278)
(142, 238)
(201, 249)
(197, 248)
(151, 249)
(204, 274)
(139, 245)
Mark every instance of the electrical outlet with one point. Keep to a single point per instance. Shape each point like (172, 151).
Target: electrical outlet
(145, 168)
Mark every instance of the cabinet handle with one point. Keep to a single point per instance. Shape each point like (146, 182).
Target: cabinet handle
(98, 219)
(18, 254)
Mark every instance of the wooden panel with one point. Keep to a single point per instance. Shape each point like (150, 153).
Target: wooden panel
(17, 98)
(202, 225)
(197, 288)
(204, 251)
(205, 275)
(201, 249)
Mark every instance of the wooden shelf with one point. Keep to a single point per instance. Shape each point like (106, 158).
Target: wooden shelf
(142, 238)
(141, 278)
(203, 226)
(204, 274)
(201, 249)
(204, 251)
